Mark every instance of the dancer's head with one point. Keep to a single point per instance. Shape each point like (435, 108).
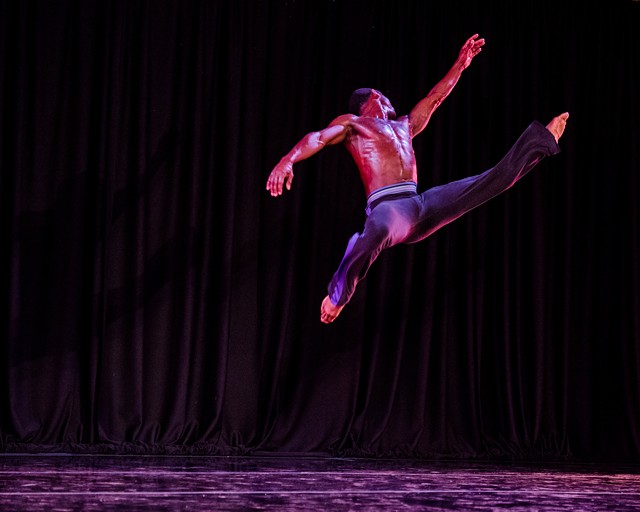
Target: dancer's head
(372, 100)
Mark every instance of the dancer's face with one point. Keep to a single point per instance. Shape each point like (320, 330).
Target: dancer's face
(378, 105)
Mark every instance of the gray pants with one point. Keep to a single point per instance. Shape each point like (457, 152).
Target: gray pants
(408, 217)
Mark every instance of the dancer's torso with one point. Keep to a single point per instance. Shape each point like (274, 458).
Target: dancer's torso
(382, 151)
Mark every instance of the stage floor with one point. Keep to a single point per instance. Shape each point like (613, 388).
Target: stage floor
(88, 482)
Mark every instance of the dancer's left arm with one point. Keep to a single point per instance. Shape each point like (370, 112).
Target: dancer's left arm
(420, 115)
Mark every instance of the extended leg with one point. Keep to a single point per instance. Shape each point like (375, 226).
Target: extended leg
(442, 205)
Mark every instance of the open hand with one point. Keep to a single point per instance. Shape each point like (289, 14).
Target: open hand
(282, 175)
(471, 48)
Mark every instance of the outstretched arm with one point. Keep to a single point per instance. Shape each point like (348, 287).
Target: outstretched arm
(309, 145)
(420, 115)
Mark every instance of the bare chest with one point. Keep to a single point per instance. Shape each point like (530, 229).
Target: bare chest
(380, 138)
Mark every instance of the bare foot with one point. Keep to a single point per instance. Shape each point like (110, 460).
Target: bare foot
(557, 124)
(329, 312)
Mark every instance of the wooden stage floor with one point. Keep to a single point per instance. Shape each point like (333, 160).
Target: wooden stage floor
(61, 482)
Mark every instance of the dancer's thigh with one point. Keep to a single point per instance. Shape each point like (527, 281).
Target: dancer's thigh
(393, 220)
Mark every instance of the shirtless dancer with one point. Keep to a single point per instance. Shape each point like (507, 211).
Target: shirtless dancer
(381, 146)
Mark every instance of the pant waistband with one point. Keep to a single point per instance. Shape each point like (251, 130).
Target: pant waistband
(404, 189)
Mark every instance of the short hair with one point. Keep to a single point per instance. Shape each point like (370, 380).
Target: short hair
(358, 98)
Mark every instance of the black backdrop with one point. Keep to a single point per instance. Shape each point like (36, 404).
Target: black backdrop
(160, 301)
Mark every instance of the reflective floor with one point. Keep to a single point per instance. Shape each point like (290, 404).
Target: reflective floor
(93, 482)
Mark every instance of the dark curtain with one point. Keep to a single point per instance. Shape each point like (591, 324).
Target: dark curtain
(159, 300)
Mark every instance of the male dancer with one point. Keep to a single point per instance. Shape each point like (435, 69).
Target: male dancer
(381, 146)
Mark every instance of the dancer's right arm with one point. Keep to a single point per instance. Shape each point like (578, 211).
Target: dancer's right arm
(282, 174)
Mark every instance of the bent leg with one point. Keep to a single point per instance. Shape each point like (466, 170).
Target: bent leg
(362, 250)
(443, 204)
(388, 224)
